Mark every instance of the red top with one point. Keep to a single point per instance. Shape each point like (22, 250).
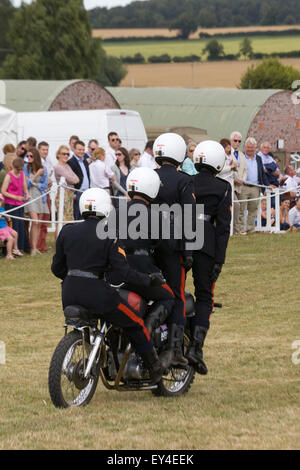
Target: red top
(15, 187)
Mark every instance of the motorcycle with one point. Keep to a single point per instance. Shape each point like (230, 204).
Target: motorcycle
(96, 349)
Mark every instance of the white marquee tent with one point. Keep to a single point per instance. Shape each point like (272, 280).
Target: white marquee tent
(8, 128)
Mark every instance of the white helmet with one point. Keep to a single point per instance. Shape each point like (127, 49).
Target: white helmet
(95, 201)
(209, 154)
(169, 147)
(143, 182)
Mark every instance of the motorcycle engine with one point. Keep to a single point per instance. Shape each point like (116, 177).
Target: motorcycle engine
(134, 368)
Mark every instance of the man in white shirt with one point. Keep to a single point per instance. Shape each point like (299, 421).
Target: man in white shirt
(240, 177)
(292, 181)
(43, 149)
(110, 153)
(294, 216)
(147, 159)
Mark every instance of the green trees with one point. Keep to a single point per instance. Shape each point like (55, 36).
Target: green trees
(6, 13)
(246, 49)
(269, 74)
(51, 40)
(186, 24)
(214, 49)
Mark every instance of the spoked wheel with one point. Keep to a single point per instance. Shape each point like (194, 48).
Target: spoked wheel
(178, 381)
(67, 385)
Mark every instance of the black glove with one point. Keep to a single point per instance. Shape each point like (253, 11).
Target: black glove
(216, 272)
(157, 279)
(187, 263)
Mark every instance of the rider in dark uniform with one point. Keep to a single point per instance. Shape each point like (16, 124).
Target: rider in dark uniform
(83, 260)
(216, 196)
(142, 186)
(173, 257)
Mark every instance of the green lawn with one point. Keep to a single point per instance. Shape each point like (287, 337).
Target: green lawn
(249, 399)
(263, 44)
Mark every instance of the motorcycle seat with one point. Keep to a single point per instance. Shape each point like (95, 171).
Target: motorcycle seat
(78, 316)
(135, 301)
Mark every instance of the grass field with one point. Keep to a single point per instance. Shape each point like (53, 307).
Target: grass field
(249, 399)
(223, 74)
(187, 47)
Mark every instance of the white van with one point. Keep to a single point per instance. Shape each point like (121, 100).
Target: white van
(56, 127)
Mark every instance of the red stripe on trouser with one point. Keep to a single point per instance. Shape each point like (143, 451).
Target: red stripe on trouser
(135, 318)
(182, 289)
(168, 288)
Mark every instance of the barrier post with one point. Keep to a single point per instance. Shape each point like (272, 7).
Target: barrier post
(277, 210)
(53, 208)
(61, 204)
(268, 196)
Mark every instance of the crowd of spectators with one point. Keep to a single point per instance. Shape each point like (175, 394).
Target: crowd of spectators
(27, 173)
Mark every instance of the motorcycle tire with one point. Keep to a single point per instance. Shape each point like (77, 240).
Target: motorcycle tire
(179, 381)
(67, 387)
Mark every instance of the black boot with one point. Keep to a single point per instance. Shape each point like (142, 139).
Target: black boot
(195, 353)
(157, 316)
(153, 364)
(173, 355)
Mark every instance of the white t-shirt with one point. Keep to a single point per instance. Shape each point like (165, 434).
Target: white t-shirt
(294, 216)
(291, 184)
(98, 175)
(110, 159)
(49, 167)
(147, 161)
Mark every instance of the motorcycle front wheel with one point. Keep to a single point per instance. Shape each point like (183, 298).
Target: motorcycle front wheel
(67, 385)
(178, 381)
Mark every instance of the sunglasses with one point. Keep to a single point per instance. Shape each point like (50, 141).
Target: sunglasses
(92, 149)
(119, 154)
(236, 140)
(114, 140)
(136, 154)
(65, 153)
(29, 155)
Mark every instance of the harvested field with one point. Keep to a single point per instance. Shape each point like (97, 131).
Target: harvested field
(263, 44)
(152, 32)
(198, 75)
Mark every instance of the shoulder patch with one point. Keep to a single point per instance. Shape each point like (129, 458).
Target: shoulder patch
(121, 251)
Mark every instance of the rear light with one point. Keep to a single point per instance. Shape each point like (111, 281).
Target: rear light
(123, 113)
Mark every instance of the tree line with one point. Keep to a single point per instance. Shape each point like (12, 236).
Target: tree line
(191, 14)
(52, 40)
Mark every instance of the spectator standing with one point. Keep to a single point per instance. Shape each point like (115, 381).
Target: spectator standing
(73, 139)
(250, 190)
(81, 168)
(37, 183)
(147, 159)
(7, 166)
(240, 177)
(21, 149)
(110, 152)
(15, 192)
(270, 166)
(188, 164)
(231, 163)
(43, 149)
(121, 171)
(31, 142)
(98, 174)
(62, 169)
(92, 146)
(134, 157)
(294, 216)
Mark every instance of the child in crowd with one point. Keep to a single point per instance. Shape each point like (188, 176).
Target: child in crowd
(9, 235)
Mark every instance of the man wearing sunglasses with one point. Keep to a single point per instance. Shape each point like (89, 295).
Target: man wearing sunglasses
(240, 177)
(92, 146)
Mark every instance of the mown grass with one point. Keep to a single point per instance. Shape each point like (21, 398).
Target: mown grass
(249, 399)
(264, 44)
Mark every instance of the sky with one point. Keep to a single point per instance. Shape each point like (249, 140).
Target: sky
(90, 3)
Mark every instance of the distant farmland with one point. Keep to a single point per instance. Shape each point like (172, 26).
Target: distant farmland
(152, 32)
(223, 74)
(264, 44)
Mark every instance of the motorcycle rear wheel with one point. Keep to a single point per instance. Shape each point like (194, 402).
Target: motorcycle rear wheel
(67, 386)
(178, 381)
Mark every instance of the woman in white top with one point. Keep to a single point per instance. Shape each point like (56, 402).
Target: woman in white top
(98, 174)
(231, 163)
